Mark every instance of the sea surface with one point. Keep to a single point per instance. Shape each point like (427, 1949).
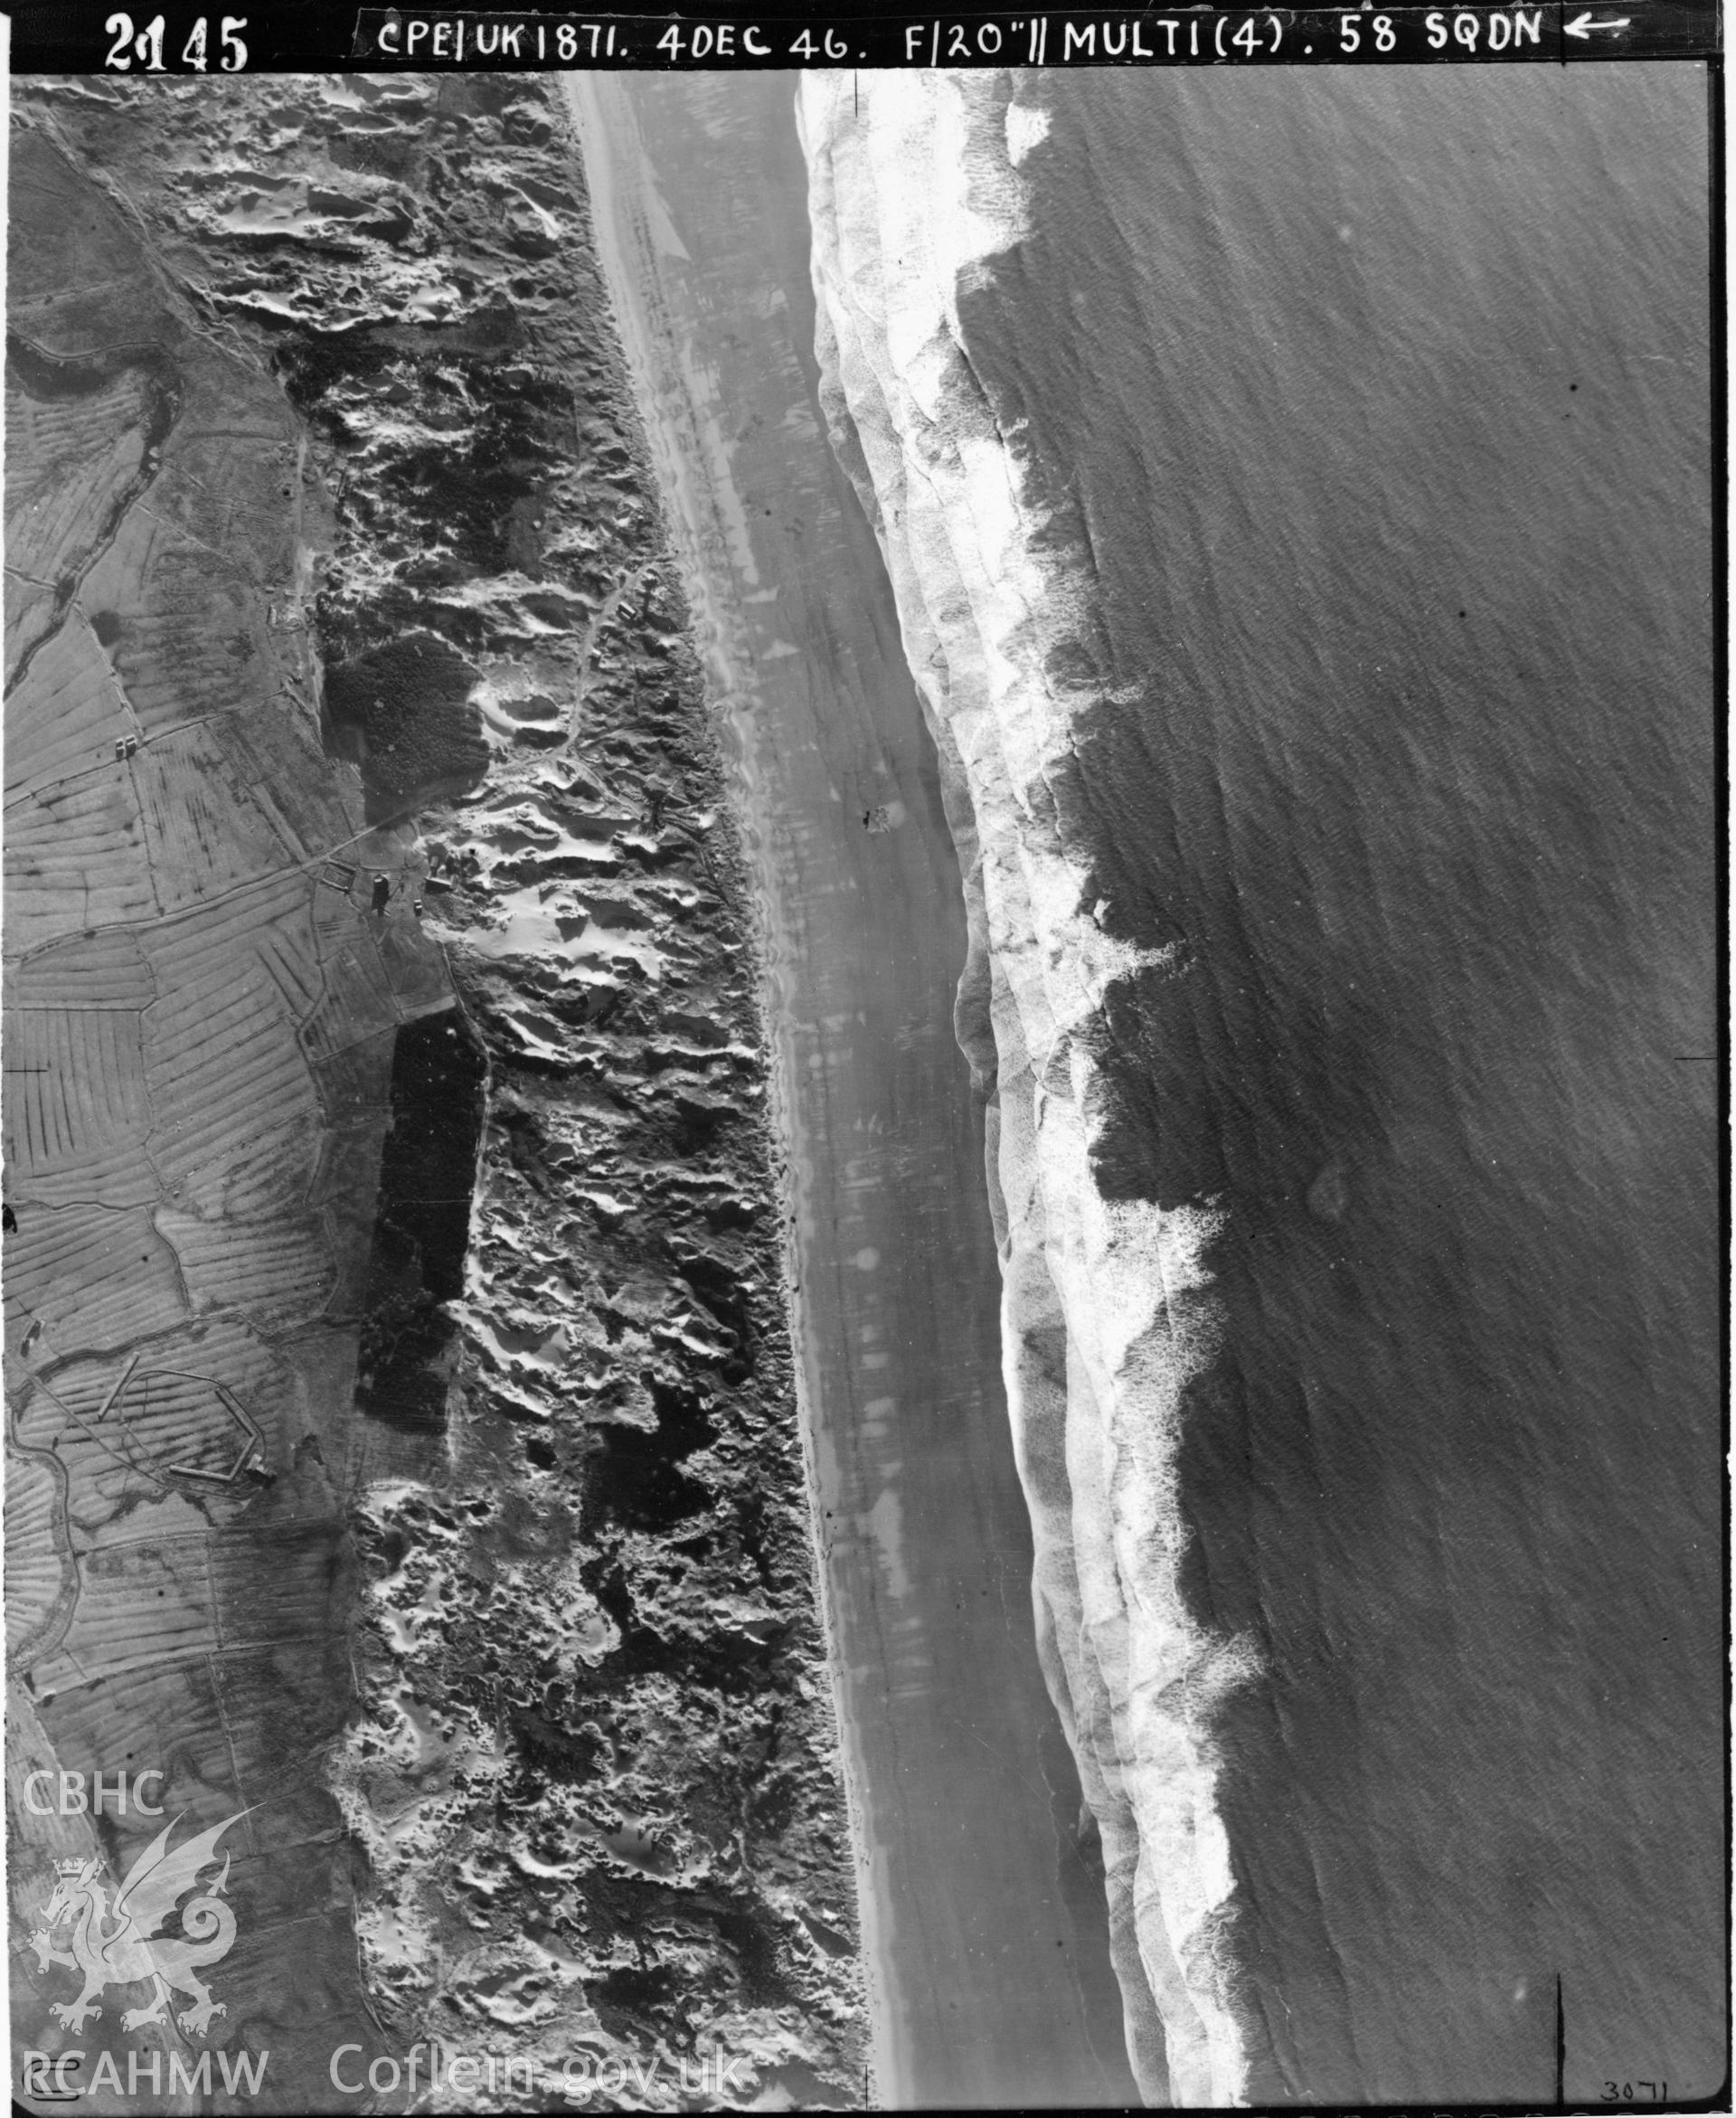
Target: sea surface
(1382, 404)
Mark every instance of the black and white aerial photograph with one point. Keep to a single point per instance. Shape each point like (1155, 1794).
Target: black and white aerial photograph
(866, 1060)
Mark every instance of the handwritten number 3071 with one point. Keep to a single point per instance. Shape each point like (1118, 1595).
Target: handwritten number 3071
(1622, 2092)
(147, 45)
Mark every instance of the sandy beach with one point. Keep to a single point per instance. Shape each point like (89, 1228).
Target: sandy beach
(983, 1916)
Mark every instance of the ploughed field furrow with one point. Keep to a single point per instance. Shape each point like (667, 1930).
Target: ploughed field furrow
(274, 1271)
(68, 450)
(77, 1112)
(88, 1277)
(204, 831)
(37, 1572)
(91, 971)
(65, 716)
(71, 857)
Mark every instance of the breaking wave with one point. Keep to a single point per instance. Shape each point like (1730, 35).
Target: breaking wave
(917, 188)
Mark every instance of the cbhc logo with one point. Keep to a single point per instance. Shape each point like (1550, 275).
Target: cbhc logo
(77, 1795)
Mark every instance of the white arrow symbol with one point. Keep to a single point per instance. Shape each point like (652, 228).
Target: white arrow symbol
(1582, 26)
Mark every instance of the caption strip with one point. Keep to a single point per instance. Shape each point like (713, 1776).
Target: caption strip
(1190, 37)
(1555, 33)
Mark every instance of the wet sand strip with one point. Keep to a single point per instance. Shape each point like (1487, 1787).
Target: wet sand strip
(983, 1915)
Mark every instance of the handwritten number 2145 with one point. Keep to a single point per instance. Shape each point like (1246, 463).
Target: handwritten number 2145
(147, 46)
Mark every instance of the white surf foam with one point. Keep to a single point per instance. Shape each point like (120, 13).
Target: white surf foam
(1107, 1306)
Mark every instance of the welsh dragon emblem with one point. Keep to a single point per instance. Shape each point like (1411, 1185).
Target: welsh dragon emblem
(123, 1947)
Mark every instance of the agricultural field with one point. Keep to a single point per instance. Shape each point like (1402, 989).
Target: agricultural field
(191, 951)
